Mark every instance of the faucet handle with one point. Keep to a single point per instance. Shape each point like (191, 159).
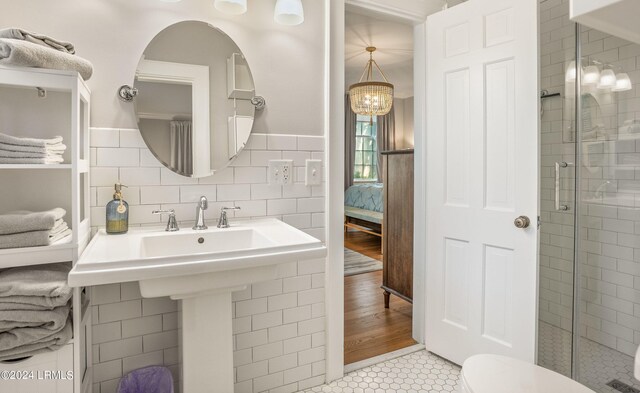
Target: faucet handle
(172, 224)
(223, 221)
(204, 203)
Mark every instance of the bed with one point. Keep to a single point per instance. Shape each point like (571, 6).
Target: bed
(363, 208)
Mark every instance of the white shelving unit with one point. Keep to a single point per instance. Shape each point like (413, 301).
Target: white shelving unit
(64, 111)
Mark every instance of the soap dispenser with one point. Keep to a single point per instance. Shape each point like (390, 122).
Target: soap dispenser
(117, 212)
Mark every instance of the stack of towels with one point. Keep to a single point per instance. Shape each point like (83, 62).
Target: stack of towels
(29, 229)
(35, 305)
(15, 150)
(22, 48)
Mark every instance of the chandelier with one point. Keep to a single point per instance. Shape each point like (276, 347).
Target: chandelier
(369, 97)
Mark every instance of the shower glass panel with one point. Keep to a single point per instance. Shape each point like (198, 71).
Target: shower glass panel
(557, 183)
(589, 305)
(609, 216)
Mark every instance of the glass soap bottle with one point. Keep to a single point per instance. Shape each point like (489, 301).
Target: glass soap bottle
(117, 212)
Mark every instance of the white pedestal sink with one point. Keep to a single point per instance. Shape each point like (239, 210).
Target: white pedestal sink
(202, 269)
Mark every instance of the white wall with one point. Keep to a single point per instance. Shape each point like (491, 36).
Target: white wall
(113, 34)
(404, 119)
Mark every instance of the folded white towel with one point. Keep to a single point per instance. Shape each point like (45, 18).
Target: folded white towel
(40, 39)
(58, 148)
(28, 154)
(17, 141)
(27, 221)
(42, 287)
(21, 161)
(19, 53)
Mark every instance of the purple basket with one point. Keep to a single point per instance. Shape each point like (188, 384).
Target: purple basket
(152, 379)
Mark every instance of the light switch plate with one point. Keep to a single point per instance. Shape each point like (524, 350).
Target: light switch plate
(313, 173)
(280, 171)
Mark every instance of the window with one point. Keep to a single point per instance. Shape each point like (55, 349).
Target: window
(366, 162)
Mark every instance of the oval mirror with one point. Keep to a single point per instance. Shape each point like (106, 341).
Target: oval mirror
(194, 96)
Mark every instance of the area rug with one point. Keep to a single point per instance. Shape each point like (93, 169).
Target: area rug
(356, 263)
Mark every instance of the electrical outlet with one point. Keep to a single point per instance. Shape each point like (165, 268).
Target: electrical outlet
(280, 171)
(313, 173)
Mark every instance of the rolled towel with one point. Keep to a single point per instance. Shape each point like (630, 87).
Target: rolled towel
(20, 161)
(48, 343)
(40, 39)
(45, 320)
(33, 142)
(26, 54)
(28, 154)
(57, 148)
(35, 287)
(26, 221)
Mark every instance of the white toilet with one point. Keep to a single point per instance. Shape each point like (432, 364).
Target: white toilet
(501, 374)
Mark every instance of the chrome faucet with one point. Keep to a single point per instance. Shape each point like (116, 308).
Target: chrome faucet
(223, 222)
(172, 224)
(203, 204)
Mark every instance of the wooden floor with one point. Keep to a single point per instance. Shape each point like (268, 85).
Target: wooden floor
(370, 329)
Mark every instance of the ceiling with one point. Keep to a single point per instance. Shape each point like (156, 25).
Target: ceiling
(394, 55)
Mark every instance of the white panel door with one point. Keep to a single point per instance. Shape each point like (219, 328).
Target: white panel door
(482, 173)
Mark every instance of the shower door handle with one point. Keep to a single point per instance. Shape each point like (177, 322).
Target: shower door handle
(559, 207)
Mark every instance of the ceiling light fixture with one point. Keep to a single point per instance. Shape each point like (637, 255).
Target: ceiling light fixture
(289, 12)
(369, 97)
(232, 7)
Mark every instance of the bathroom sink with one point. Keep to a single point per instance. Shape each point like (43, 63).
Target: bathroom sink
(196, 242)
(151, 253)
(201, 269)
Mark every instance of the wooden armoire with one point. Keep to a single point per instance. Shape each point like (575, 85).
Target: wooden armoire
(397, 275)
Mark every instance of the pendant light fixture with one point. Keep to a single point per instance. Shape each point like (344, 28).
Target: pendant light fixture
(570, 74)
(232, 7)
(289, 12)
(369, 97)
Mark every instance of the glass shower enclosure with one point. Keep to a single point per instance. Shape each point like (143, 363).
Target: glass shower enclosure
(589, 305)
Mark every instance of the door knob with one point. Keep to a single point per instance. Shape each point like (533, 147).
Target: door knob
(522, 222)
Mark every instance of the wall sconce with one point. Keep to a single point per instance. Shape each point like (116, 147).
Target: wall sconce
(607, 79)
(591, 75)
(289, 12)
(570, 74)
(623, 83)
(232, 7)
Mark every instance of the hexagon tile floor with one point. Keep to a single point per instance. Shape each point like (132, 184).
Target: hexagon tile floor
(417, 372)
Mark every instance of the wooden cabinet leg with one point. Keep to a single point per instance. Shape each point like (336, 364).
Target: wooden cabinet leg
(386, 299)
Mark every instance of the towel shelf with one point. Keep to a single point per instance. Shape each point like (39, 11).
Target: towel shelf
(65, 112)
(59, 252)
(35, 166)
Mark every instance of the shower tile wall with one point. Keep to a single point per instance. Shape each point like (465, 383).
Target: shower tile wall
(278, 325)
(610, 255)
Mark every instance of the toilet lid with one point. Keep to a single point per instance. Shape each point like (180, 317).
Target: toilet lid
(501, 374)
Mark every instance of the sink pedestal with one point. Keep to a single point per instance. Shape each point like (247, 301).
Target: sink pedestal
(207, 347)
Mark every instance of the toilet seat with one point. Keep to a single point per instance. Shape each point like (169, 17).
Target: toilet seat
(501, 374)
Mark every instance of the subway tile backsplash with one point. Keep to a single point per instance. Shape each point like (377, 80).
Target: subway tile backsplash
(278, 325)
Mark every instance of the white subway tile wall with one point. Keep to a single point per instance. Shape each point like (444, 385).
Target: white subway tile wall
(610, 255)
(278, 325)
